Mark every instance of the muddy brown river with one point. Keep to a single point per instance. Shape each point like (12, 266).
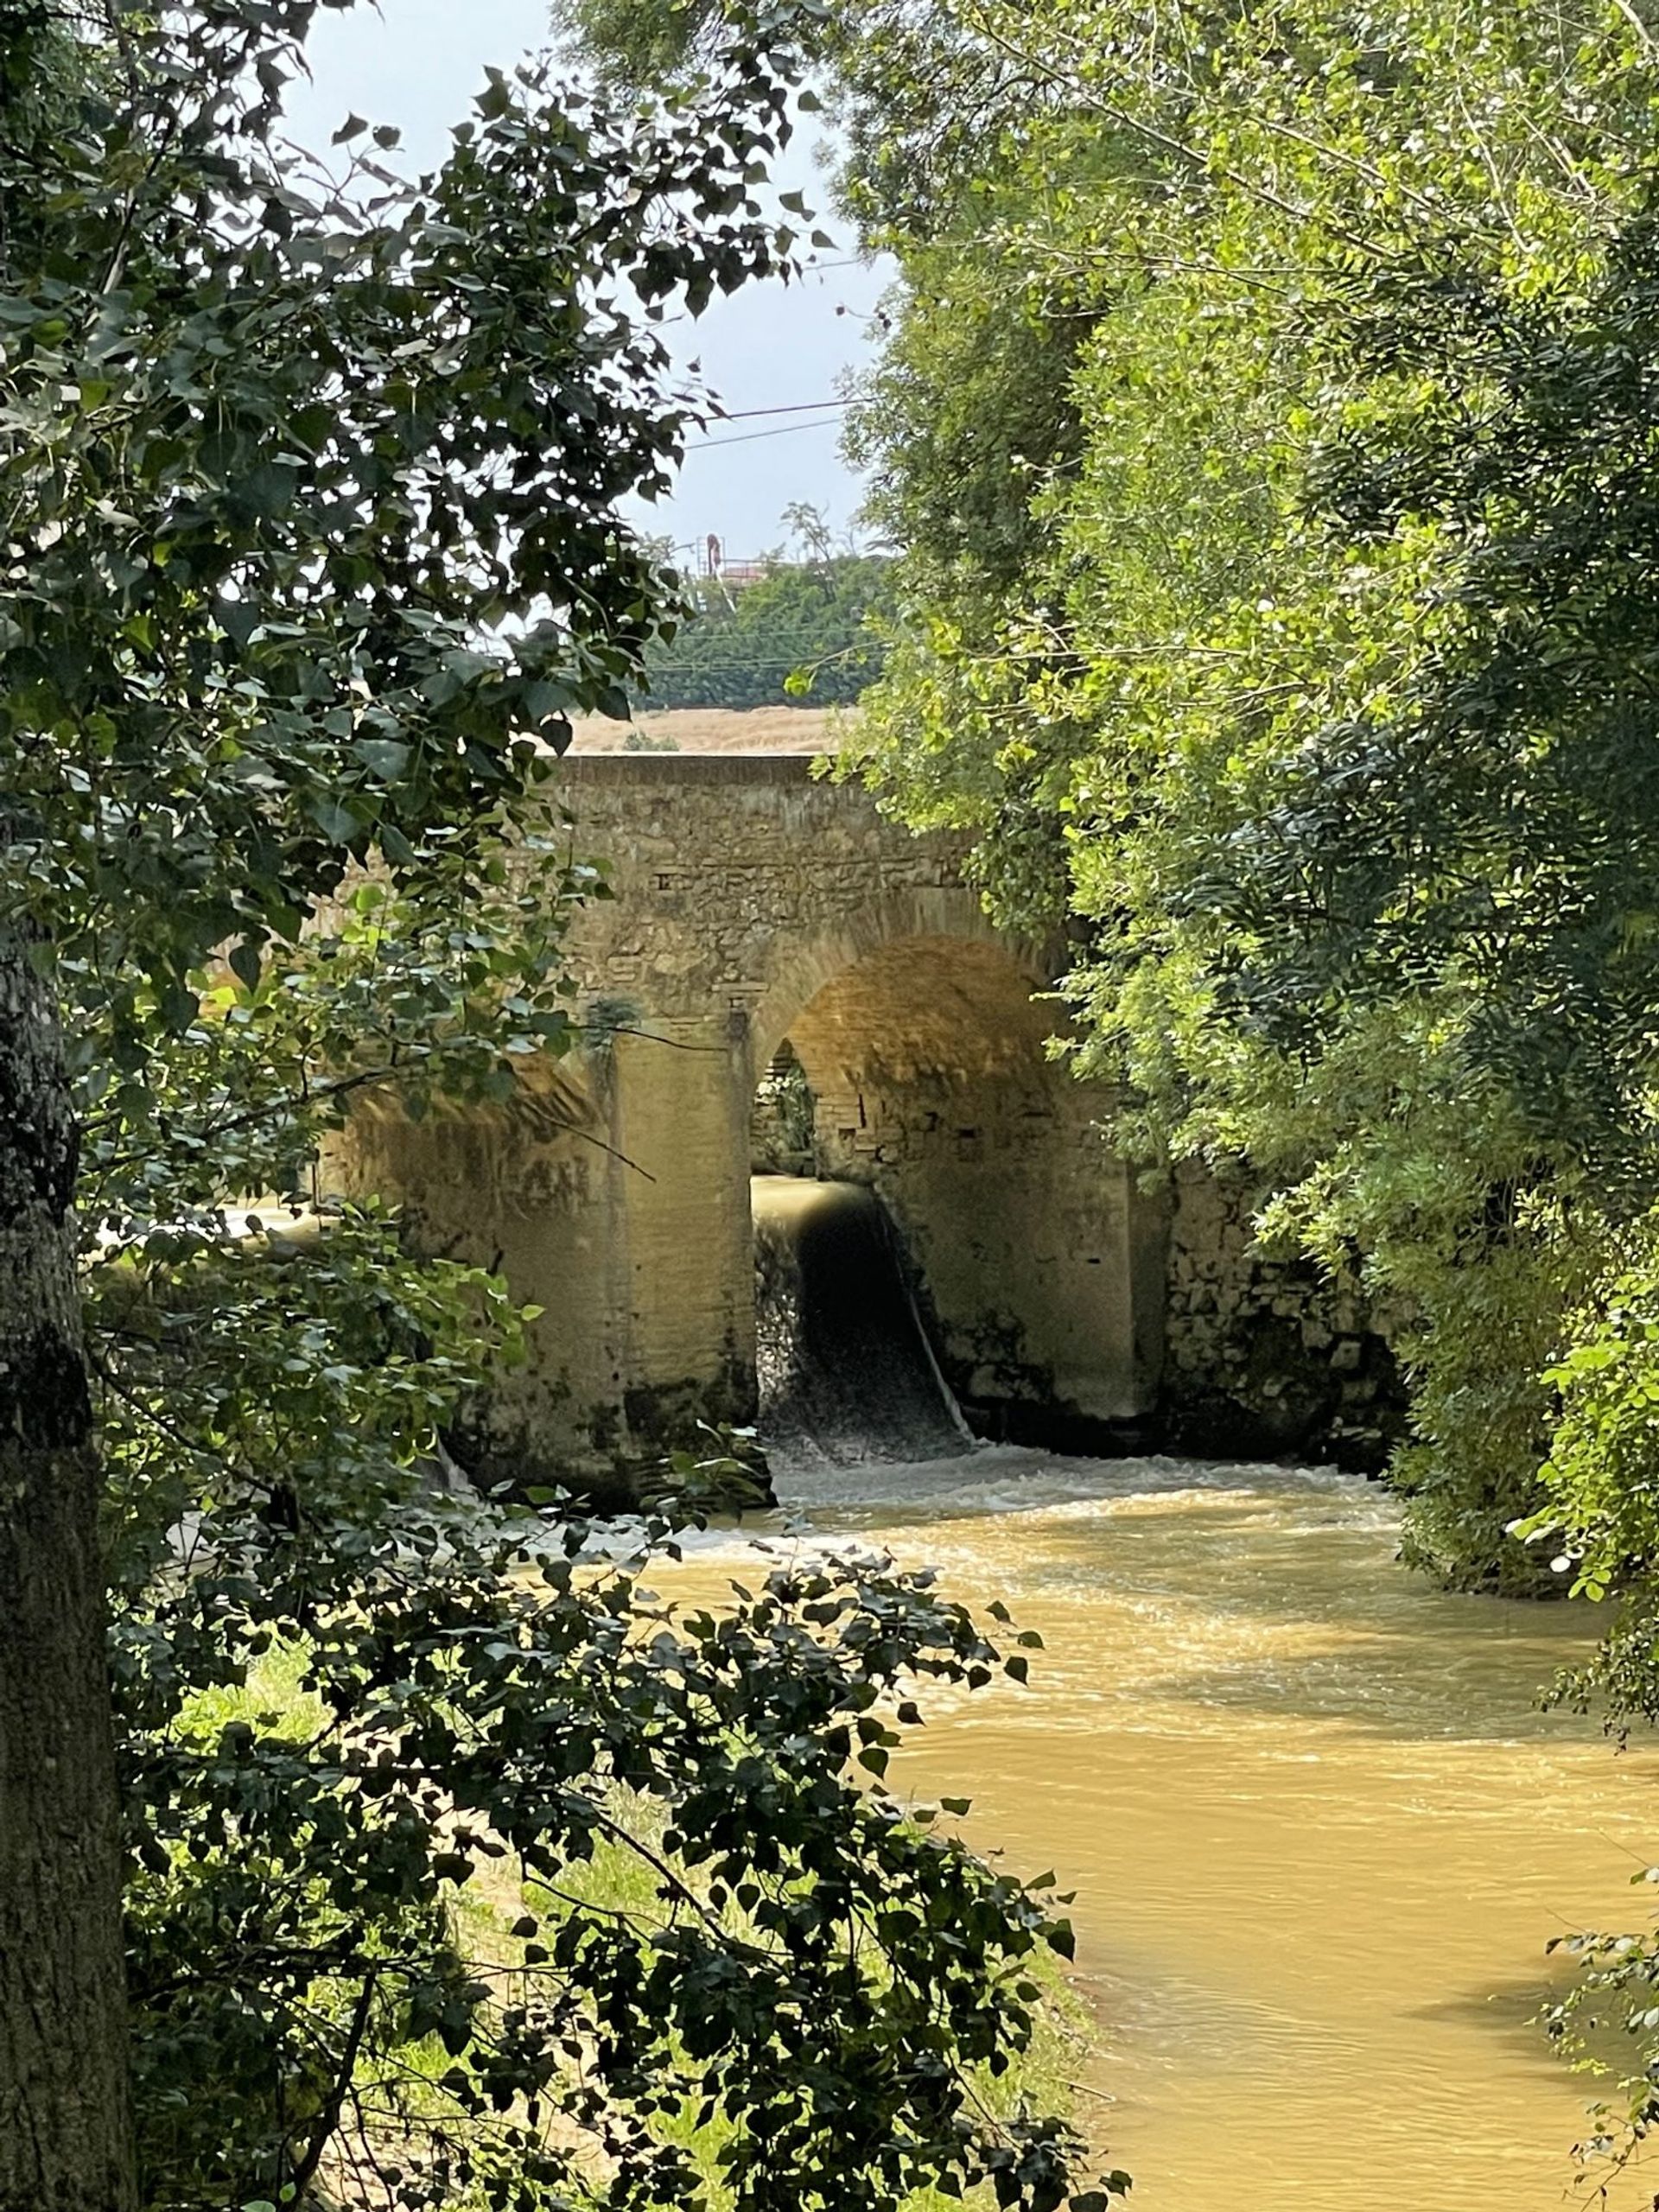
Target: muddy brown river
(1320, 1833)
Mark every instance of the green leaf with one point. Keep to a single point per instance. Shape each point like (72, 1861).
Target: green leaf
(334, 818)
(385, 757)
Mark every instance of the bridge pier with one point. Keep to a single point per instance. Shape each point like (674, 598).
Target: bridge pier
(680, 1196)
(618, 1205)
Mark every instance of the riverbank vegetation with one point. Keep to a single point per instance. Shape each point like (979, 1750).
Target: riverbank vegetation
(307, 490)
(1317, 694)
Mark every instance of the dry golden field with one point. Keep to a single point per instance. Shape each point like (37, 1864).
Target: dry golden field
(721, 729)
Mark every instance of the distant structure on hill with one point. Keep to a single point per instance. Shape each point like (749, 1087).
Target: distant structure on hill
(734, 575)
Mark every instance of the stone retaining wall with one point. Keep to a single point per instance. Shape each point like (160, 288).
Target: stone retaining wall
(1266, 1356)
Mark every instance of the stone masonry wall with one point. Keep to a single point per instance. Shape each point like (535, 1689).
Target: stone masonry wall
(1262, 1356)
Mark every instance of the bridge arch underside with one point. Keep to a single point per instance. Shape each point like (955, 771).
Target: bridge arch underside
(1038, 1268)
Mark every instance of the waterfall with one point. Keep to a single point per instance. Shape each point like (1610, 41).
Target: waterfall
(847, 1373)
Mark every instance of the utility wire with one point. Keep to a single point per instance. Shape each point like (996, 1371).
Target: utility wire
(807, 407)
(748, 437)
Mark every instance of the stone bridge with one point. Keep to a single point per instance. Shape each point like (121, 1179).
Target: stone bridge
(761, 919)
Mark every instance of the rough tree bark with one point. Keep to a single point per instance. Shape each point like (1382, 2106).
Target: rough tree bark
(65, 2118)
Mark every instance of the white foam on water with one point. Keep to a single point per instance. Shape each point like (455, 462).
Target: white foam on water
(849, 1511)
(1016, 1478)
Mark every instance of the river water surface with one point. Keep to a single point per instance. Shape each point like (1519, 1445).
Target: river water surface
(1319, 1833)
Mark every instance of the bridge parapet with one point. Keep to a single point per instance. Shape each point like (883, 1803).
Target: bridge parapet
(744, 882)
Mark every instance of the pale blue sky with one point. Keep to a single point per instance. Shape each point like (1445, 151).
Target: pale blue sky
(417, 63)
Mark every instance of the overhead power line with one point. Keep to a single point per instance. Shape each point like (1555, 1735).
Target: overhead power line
(806, 407)
(748, 437)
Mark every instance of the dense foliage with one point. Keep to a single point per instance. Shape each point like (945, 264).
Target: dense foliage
(1227, 714)
(307, 489)
(804, 630)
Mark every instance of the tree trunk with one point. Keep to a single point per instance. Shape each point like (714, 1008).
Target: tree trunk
(65, 2118)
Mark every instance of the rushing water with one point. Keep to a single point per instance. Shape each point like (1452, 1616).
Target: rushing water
(1319, 1831)
(846, 1375)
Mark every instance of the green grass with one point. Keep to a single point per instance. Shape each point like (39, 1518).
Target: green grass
(617, 1879)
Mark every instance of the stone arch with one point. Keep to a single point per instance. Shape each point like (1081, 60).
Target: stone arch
(753, 901)
(799, 971)
(925, 1046)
